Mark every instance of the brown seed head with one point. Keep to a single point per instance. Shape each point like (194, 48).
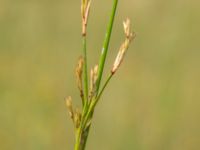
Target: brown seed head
(79, 72)
(124, 46)
(77, 118)
(93, 78)
(85, 9)
(95, 73)
(68, 101)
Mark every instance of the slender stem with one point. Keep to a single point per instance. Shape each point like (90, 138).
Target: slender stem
(105, 46)
(85, 76)
(88, 110)
(94, 101)
(80, 145)
(104, 86)
(86, 133)
(78, 139)
(79, 130)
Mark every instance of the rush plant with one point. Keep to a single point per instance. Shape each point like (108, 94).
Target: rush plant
(90, 88)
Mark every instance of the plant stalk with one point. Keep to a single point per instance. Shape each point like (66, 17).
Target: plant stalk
(85, 76)
(82, 131)
(105, 46)
(89, 115)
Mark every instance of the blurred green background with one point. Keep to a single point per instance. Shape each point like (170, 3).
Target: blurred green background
(151, 104)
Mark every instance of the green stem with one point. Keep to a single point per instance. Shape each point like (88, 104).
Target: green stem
(104, 86)
(85, 76)
(88, 111)
(79, 130)
(80, 145)
(86, 132)
(78, 139)
(105, 46)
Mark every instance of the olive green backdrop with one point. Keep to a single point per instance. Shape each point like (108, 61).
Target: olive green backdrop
(151, 104)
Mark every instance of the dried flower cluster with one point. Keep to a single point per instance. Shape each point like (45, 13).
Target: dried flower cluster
(93, 79)
(124, 46)
(91, 94)
(85, 9)
(79, 72)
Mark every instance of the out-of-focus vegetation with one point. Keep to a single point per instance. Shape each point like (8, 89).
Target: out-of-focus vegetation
(151, 104)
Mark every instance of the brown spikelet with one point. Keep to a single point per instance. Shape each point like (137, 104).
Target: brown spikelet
(77, 118)
(68, 102)
(85, 9)
(93, 79)
(79, 72)
(124, 46)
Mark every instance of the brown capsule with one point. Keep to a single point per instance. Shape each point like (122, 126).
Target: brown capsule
(93, 79)
(77, 118)
(85, 9)
(79, 72)
(124, 46)
(68, 101)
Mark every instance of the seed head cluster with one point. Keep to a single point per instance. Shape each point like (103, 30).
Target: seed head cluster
(85, 9)
(125, 45)
(89, 87)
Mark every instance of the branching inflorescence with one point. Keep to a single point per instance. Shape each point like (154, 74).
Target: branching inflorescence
(91, 93)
